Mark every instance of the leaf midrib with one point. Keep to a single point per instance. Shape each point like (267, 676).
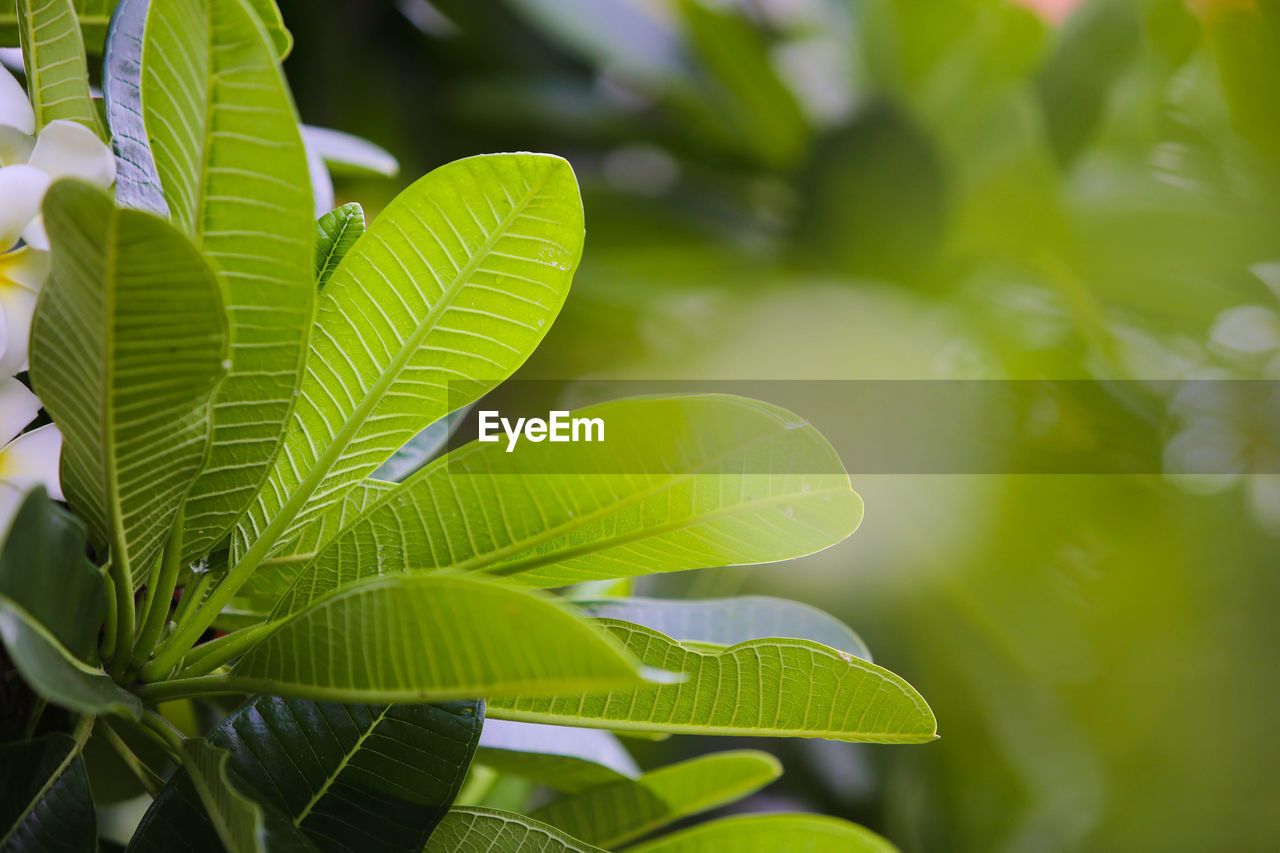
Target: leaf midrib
(342, 765)
(333, 451)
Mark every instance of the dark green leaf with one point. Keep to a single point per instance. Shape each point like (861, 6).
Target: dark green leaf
(45, 803)
(54, 673)
(43, 569)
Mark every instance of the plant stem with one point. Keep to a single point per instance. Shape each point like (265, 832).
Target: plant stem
(160, 594)
(108, 641)
(150, 780)
(170, 735)
(205, 658)
(190, 628)
(122, 579)
(182, 688)
(33, 717)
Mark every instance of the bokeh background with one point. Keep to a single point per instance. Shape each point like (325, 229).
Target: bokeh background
(926, 189)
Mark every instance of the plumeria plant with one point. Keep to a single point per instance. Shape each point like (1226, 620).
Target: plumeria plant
(235, 618)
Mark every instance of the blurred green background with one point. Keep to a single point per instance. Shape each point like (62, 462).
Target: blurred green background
(926, 189)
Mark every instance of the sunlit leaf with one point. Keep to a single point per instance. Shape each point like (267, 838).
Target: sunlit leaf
(727, 621)
(57, 72)
(337, 231)
(94, 16)
(473, 830)
(447, 292)
(778, 688)
(771, 833)
(430, 638)
(614, 814)
(128, 343)
(224, 134)
(680, 483)
(564, 758)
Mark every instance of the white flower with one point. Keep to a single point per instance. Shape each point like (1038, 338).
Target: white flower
(27, 460)
(28, 165)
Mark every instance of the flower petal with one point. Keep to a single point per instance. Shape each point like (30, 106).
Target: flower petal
(35, 235)
(31, 460)
(15, 108)
(21, 274)
(18, 407)
(66, 149)
(22, 189)
(15, 146)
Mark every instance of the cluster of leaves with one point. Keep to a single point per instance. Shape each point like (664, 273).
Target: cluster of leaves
(228, 375)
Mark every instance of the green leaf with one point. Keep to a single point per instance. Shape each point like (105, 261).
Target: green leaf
(473, 830)
(43, 570)
(775, 688)
(54, 673)
(203, 809)
(431, 638)
(447, 292)
(266, 586)
(46, 803)
(224, 134)
(770, 833)
(680, 483)
(128, 343)
(337, 231)
(57, 72)
(137, 181)
(351, 777)
(620, 812)
(727, 621)
(567, 759)
(93, 15)
(421, 449)
(268, 13)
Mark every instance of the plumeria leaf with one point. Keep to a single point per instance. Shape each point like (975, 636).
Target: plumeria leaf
(727, 621)
(769, 834)
(224, 134)
(775, 688)
(129, 341)
(94, 16)
(681, 483)
(564, 758)
(203, 809)
(431, 638)
(57, 72)
(337, 232)
(46, 804)
(43, 570)
(350, 777)
(137, 181)
(475, 830)
(447, 292)
(54, 673)
(614, 814)
(421, 449)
